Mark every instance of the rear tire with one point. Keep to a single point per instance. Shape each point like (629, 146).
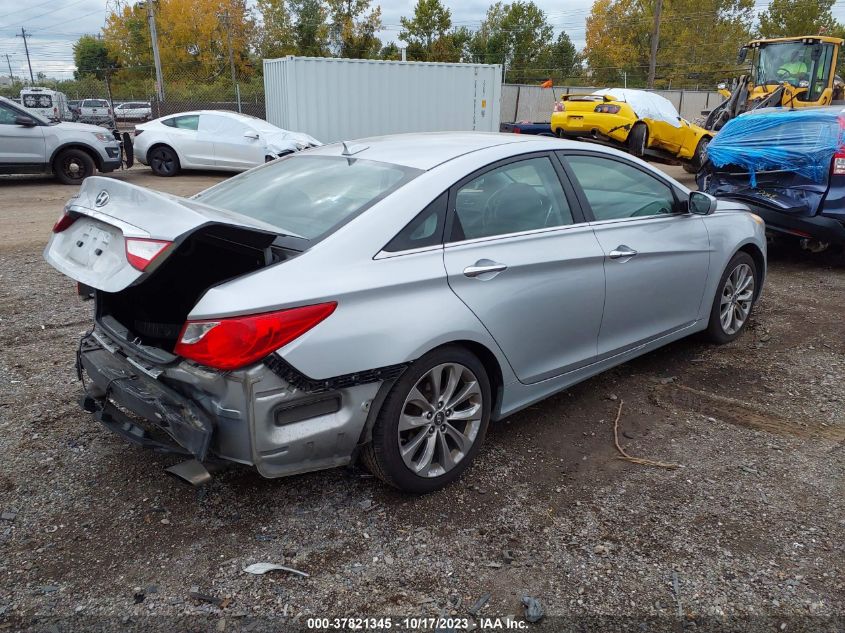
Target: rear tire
(734, 300)
(698, 157)
(72, 166)
(442, 427)
(638, 140)
(163, 161)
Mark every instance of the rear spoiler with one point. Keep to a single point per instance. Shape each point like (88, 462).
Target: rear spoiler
(588, 97)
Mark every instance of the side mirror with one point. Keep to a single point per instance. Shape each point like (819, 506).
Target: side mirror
(25, 121)
(251, 134)
(701, 203)
(743, 53)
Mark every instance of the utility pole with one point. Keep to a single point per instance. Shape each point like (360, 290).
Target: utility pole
(24, 35)
(156, 58)
(228, 24)
(11, 76)
(655, 39)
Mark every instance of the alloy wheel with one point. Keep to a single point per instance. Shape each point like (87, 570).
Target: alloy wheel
(163, 162)
(737, 297)
(440, 420)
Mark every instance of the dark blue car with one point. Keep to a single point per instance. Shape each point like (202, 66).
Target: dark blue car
(788, 166)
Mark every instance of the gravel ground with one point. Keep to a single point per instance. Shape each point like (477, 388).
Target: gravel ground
(750, 530)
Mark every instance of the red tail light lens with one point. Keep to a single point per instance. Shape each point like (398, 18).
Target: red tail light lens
(839, 164)
(140, 252)
(64, 221)
(560, 107)
(607, 109)
(235, 342)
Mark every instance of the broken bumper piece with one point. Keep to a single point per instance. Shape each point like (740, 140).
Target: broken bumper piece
(125, 387)
(280, 424)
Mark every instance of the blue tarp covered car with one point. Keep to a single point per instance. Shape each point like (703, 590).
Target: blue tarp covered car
(787, 165)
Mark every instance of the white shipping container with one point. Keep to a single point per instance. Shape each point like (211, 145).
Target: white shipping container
(344, 99)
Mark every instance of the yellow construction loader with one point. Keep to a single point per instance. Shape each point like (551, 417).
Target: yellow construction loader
(790, 72)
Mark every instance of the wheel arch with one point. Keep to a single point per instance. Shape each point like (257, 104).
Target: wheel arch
(479, 350)
(168, 146)
(95, 155)
(759, 263)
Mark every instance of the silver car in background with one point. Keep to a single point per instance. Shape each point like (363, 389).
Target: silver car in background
(386, 299)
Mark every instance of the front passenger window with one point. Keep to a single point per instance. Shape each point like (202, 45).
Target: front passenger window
(618, 190)
(7, 115)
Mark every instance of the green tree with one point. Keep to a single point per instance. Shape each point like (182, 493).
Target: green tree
(310, 31)
(390, 51)
(275, 37)
(91, 56)
(789, 18)
(516, 35)
(353, 30)
(430, 22)
(561, 59)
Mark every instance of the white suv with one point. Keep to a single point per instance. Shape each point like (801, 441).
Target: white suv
(30, 144)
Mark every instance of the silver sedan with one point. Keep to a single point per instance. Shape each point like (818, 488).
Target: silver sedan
(385, 299)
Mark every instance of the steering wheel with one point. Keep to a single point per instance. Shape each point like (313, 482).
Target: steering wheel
(493, 208)
(782, 73)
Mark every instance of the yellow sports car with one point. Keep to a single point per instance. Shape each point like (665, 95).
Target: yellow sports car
(640, 121)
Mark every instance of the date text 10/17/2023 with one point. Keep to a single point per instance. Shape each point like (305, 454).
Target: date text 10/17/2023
(415, 624)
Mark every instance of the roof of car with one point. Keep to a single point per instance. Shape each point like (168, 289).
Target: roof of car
(423, 150)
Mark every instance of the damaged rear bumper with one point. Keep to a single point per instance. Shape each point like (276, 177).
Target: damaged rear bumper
(251, 416)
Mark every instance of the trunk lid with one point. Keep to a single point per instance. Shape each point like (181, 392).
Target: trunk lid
(92, 250)
(582, 103)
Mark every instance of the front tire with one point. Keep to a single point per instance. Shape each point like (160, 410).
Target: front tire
(432, 423)
(163, 161)
(72, 166)
(734, 299)
(699, 156)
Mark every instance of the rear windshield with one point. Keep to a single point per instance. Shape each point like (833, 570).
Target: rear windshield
(308, 196)
(36, 100)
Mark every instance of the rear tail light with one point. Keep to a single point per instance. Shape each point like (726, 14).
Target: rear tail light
(560, 107)
(839, 164)
(64, 221)
(607, 109)
(516, 130)
(236, 342)
(141, 252)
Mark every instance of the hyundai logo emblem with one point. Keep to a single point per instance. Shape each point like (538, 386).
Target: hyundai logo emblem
(102, 199)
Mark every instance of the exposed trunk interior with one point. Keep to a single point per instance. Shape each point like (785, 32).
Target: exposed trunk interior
(154, 310)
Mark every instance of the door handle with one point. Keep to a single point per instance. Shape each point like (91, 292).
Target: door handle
(621, 252)
(484, 266)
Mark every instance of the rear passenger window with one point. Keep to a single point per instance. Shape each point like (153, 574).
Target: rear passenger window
(520, 196)
(188, 122)
(424, 230)
(617, 190)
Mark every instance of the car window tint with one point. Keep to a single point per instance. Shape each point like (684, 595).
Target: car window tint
(7, 115)
(519, 196)
(188, 122)
(424, 230)
(308, 196)
(616, 189)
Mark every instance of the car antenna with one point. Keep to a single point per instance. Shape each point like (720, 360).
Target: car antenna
(349, 149)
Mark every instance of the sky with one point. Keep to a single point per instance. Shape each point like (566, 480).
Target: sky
(55, 24)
